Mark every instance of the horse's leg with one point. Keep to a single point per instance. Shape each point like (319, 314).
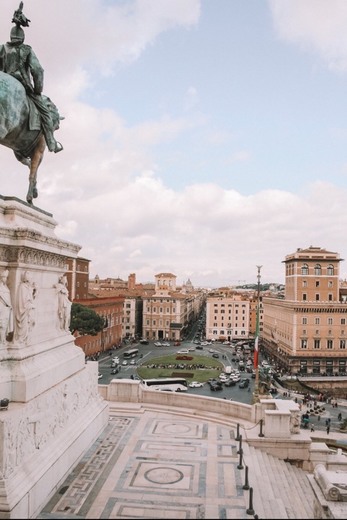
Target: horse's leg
(36, 158)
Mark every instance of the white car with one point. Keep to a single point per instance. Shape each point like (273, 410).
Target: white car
(158, 344)
(133, 362)
(195, 384)
(124, 363)
(185, 351)
(191, 349)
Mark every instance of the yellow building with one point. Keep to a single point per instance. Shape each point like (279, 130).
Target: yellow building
(306, 332)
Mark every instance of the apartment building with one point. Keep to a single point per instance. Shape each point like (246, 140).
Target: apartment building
(168, 312)
(111, 309)
(132, 317)
(227, 317)
(306, 331)
(77, 275)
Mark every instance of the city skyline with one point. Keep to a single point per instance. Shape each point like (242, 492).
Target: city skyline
(200, 138)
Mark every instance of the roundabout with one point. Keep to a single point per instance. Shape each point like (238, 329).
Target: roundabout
(190, 366)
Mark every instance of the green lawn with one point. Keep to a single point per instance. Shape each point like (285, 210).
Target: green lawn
(166, 366)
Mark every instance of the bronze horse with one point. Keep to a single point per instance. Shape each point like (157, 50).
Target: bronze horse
(20, 127)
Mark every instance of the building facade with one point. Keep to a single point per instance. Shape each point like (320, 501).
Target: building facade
(168, 313)
(111, 309)
(306, 332)
(227, 317)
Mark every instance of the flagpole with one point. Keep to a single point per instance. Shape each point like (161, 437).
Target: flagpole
(256, 343)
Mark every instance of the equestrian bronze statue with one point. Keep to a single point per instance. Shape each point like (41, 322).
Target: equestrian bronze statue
(28, 118)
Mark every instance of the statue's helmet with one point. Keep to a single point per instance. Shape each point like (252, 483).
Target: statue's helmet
(17, 34)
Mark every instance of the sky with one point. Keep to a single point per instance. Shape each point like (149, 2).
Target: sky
(201, 137)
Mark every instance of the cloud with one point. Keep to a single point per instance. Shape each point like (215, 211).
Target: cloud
(317, 25)
(107, 189)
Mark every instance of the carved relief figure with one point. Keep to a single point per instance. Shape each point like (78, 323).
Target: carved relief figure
(6, 315)
(25, 308)
(64, 304)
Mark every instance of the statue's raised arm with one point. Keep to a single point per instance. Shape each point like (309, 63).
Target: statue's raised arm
(28, 118)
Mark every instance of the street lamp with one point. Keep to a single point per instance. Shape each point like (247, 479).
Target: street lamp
(256, 343)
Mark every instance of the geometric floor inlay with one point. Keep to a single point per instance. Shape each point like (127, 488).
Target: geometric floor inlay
(157, 475)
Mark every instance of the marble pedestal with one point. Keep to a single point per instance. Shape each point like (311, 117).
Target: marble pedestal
(55, 411)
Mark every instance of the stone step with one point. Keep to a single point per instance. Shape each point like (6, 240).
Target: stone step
(266, 503)
(279, 479)
(280, 490)
(289, 483)
(304, 490)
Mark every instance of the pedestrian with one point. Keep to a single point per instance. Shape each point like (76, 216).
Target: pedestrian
(328, 429)
(339, 417)
(312, 428)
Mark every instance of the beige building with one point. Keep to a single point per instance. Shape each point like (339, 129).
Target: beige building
(227, 317)
(306, 332)
(168, 312)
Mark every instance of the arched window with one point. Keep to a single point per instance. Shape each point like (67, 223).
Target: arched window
(317, 269)
(304, 269)
(330, 270)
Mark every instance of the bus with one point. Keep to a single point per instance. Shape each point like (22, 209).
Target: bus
(131, 353)
(171, 384)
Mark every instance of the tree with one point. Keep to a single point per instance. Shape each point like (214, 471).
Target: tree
(85, 320)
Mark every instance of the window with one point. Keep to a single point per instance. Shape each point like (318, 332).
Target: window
(342, 343)
(317, 321)
(317, 269)
(330, 284)
(330, 297)
(304, 297)
(330, 321)
(303, 343)
(317, 283)
(343, 321)
(316, 343)
(330, 344)
(317, 297)
(304, 269)
(330, 270)
(304, 283)
(304, 321)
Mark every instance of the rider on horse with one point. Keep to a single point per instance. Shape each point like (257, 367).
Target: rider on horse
(20, 61)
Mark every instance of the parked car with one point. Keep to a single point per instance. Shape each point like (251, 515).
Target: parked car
(215, 355)
(124, 362)
(195, 384)
(157, 344)
(184, 351)
(244, 383)
(199, 347)
(144, 342)
(230, 382)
